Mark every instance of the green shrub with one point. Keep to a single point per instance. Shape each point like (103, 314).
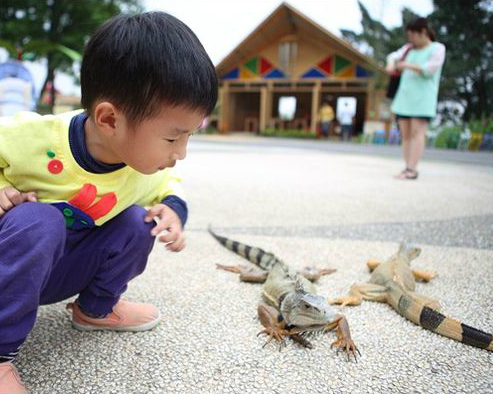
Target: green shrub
(288, 133)
(448, 137)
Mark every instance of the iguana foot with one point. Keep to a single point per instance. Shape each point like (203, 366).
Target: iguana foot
(313, 273)
(425, 276)
(347, 345)
(276, 333)
(247, 274)
(347, 300)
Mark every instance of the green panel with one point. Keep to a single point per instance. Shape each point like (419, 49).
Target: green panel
(341, 63)
(252, 65)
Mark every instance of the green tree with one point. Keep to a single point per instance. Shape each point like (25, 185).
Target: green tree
(55, 30)
(466, 29)
(376, 40)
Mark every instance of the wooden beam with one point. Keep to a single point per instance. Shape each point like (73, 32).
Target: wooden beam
(224, 97)
(315, 105)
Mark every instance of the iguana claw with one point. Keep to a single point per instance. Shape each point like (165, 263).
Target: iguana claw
(274, 333)
(347, 345)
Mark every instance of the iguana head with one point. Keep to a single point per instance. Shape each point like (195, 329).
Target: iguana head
(408, 252)
(303, 309)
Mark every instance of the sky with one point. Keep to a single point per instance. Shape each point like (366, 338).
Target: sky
(222, 24)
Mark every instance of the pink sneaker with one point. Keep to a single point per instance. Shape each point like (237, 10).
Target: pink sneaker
(126, 316)
(10, 381)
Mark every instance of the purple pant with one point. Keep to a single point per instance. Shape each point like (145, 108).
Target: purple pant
(42, 262)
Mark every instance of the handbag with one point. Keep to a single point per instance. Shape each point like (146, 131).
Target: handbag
(395, 77)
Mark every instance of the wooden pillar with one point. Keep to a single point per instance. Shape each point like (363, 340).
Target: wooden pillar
(370, 102)
(315, 106)
(224, 97)
(265, 106)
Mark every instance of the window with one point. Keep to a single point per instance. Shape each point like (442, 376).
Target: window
(287, 56)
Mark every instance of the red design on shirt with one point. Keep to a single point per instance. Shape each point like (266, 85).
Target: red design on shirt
(85, 198)
(55, 166)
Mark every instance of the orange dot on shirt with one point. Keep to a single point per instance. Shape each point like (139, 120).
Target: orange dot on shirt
(55, 166)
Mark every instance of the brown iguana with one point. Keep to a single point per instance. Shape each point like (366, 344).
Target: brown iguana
(294, 310)
(393, 282)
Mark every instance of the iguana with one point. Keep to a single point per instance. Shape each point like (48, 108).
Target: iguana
(393, 282)
(293, 309)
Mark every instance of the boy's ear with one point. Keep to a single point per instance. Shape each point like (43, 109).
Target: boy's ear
(105, 117)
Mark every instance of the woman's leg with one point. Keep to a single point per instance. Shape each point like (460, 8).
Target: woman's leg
(405, 129)
(418, 128)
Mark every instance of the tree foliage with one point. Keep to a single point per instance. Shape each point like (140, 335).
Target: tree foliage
(466, 29)
(56, 30)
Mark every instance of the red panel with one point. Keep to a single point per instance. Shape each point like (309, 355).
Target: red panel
(264, 66)
(327, 65)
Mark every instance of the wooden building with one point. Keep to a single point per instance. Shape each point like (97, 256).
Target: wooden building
(290, 55)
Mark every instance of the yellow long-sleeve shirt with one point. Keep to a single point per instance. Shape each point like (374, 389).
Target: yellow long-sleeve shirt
(35, 156)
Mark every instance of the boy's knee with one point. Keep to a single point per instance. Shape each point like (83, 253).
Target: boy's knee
(36, 220)
(132, 219)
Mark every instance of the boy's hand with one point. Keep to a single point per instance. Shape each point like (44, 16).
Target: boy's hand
(10, 197)
(168, 220)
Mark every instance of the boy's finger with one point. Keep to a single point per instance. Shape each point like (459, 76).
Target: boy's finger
(169, 237)
(178, 245)
(161, 226)
(30, 196)
(5, 202)
(151, 213)
(14, 196)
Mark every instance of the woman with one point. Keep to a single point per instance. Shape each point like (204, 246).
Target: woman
(415, 101)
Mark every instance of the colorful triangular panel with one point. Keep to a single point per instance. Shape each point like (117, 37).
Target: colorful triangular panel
(340, 63)
(276, 73)
(362, 72)
(327, 65)
(233, 74)
(348, 72)
(246, 73)
(313, 73)
(265, 66)
(252, 65)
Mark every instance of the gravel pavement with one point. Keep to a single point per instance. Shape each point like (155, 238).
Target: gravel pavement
(324, 207)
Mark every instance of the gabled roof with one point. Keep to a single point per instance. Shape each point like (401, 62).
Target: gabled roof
(285, 20)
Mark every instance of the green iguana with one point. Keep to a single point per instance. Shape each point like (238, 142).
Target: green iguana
(293, 308)
(393, 282)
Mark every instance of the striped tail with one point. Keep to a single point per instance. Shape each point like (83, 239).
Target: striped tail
(257, 256)
(433, 320)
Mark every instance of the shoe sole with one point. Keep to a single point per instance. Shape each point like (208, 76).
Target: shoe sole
(142, 327)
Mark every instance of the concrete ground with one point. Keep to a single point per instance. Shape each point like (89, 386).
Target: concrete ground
(330, 205)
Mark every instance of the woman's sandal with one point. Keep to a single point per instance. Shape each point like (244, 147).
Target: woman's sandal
(407, 174)
(411, 174)
(402, 174)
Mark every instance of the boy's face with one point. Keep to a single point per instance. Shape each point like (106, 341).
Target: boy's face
(157, 142)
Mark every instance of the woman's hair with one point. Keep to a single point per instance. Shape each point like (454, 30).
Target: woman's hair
(418, 25)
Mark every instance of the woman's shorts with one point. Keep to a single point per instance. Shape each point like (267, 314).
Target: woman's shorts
(427, 118)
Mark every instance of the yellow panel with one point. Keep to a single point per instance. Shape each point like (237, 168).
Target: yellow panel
(348, 72)
(245, 73)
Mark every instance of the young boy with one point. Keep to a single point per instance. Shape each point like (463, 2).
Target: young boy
(73, 187)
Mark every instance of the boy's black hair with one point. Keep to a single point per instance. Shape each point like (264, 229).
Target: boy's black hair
(142, 61)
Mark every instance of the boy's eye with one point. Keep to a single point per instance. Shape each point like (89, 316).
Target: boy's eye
(170, 141)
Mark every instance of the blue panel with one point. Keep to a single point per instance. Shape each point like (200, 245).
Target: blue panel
(276, 73)
(362, 72)
(314, 73)
(233, 74)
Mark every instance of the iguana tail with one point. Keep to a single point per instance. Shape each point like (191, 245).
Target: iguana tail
(413, 307)
(257, 256)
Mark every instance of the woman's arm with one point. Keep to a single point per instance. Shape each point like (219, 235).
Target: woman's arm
(431, 66)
